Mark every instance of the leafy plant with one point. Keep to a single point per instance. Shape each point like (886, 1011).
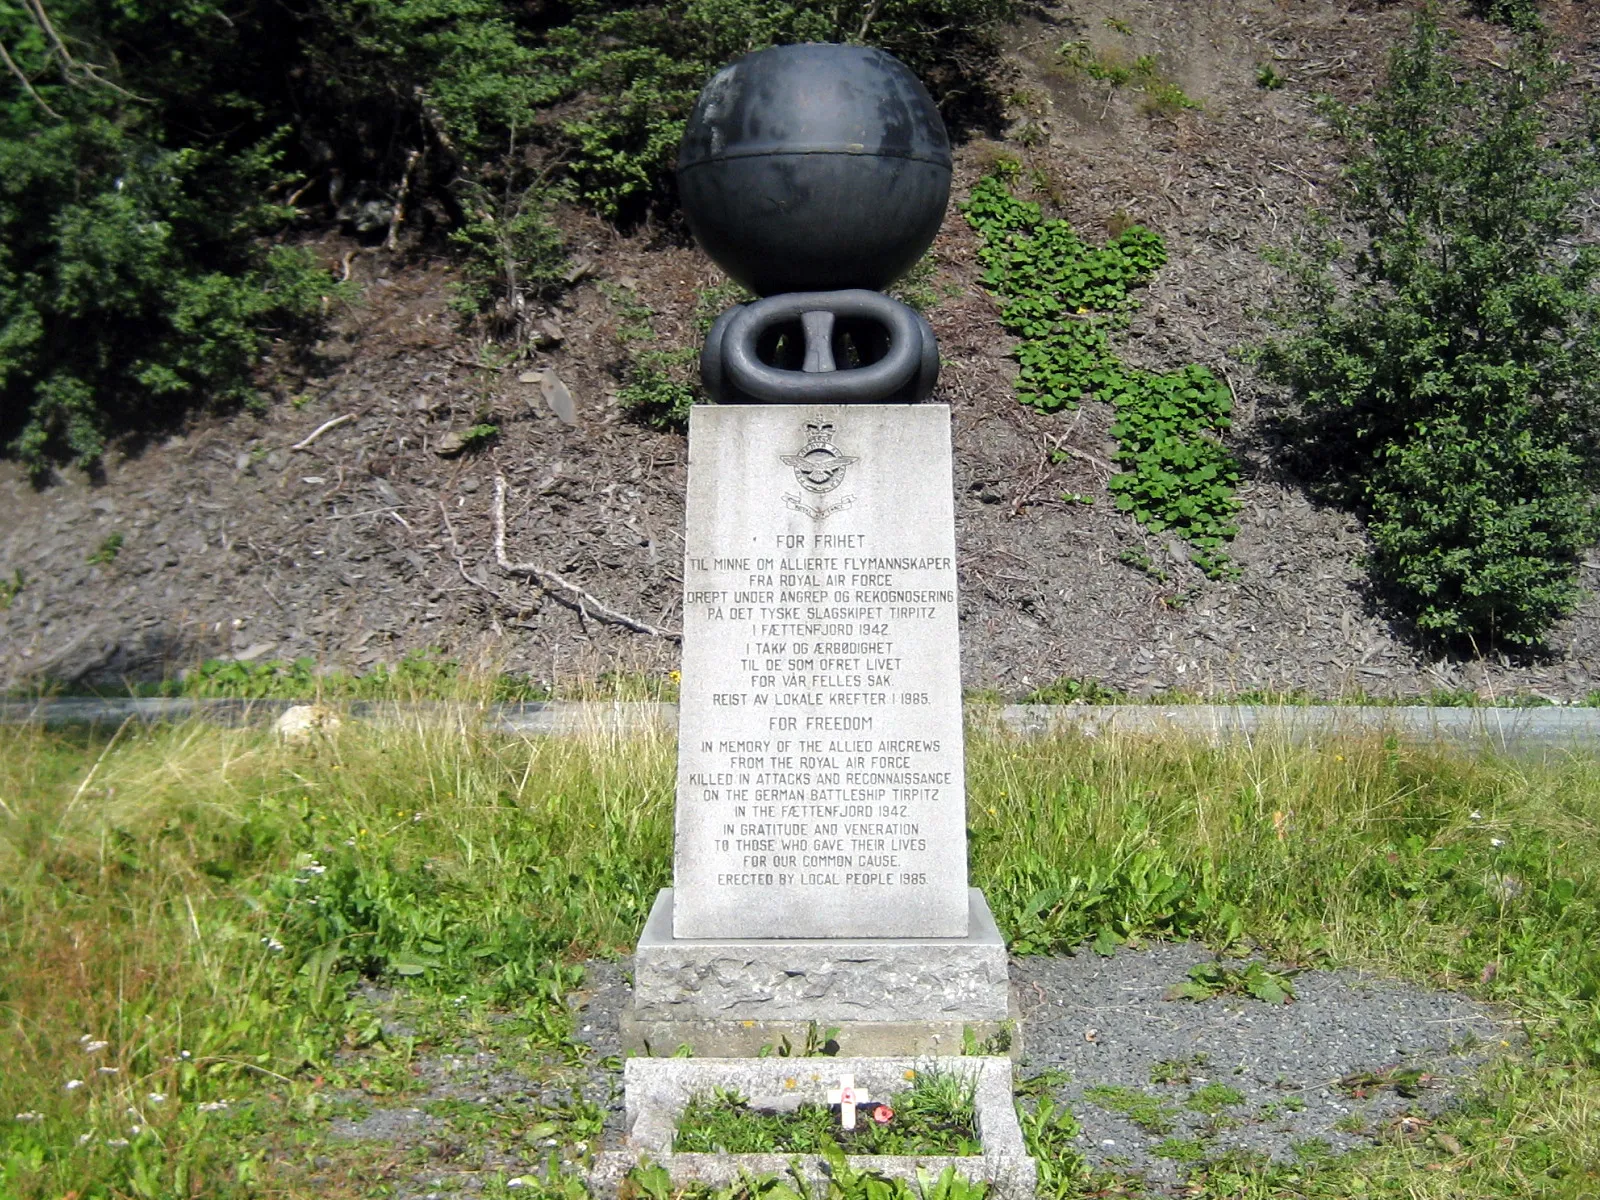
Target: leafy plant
(11, 588)
(1449, 390)
(819, 1043)
(1051, 1134)
(1069, 690)
(1113, 67)
(1207, 980)
(1064, 298)
(1186, 1150)
(1521, 15)
(1177, 1070)
(475, 437)
(106, 553)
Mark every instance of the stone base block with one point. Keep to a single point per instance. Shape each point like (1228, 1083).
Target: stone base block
(729, 997)
(658, 1090)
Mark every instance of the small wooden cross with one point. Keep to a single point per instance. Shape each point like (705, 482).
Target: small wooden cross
(847, 1096)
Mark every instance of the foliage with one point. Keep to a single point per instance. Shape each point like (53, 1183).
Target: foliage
(1450, 390)
(156, 156)
(935, 1115)
(1223, 979)
(1069, 690)
(1113, 68)
(663, 383)
(11, 588)
(1051, 1134)
(1064, 298)
(1521, 15)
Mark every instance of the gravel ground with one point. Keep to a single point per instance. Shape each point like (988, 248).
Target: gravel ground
(1104, 1022)
(1093, 1022)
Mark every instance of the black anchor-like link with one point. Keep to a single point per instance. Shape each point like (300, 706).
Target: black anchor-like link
(734, 369)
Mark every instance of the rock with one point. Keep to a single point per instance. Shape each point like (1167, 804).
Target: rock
(451, 444)
(547, 333)
(254, 652)
(530, 377)
(559, 398)
(299, 724)
(578, 270)
(334, 350)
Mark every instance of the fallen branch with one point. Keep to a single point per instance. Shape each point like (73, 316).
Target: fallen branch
(574, 596)
(391, 242)
(305, 443)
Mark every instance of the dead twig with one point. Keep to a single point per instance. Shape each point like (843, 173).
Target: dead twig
(560, 589)
(399, 216)
(305, 443)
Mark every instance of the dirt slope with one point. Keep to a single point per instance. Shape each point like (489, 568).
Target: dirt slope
(368, 543)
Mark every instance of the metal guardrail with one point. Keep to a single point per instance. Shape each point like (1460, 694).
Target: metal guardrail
(1492, 728)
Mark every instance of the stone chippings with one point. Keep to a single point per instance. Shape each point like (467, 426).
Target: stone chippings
(1103, 1021)
(658, 1089)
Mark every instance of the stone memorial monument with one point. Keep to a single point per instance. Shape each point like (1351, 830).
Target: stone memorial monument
(820, 874)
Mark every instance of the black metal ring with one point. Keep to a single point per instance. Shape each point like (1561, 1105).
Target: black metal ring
(859, 385)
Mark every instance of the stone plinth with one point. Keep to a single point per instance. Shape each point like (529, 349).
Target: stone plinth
(728, 997)
(658, 1090)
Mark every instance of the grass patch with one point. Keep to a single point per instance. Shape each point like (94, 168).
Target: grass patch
(216, 909)
(936, 1115)
(1150, 1113)
(1214, 1097)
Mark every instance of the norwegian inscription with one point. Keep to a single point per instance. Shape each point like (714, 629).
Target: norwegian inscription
(820, 790)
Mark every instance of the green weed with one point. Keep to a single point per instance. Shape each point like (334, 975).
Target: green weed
(1177, 1070)
(11, 588)
(106, 553)
(933, 1116)
(1064, 298)
(1223, 979)
(1213, 1098)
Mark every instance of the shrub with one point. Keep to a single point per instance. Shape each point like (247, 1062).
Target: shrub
(1449, 391)
(149, 151)
(132, 281)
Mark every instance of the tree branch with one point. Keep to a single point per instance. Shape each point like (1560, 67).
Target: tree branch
(560, 589)
(11, 65)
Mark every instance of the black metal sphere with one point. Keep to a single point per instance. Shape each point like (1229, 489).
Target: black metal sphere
(813, 168)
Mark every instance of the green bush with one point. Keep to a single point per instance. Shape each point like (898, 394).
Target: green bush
(1449, 391)
(150, 151)
(1521, 15)
(133, 281)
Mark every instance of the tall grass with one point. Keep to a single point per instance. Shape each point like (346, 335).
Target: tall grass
(205, 901)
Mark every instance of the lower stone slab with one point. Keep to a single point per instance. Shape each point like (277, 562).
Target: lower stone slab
(871, 1039)
(658, 1089)
(816, 979)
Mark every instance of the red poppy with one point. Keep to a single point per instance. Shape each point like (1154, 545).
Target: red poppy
(883, 1114)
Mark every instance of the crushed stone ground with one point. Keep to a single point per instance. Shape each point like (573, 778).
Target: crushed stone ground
(1094, 1022)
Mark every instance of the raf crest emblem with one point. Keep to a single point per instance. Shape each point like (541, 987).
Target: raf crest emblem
(819, 467)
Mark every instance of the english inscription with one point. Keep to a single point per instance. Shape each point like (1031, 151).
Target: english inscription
(820, 789)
